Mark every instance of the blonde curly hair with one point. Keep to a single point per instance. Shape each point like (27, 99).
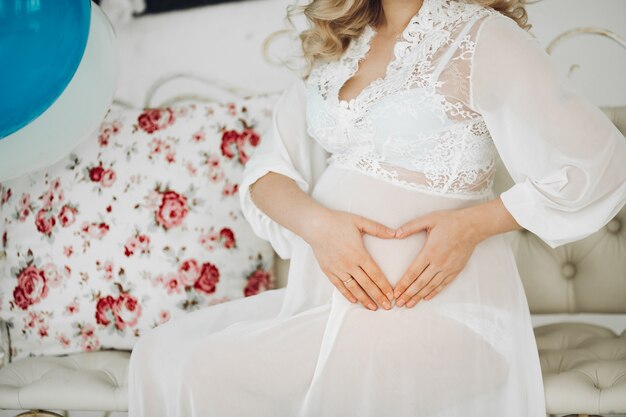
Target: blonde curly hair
(333, 23)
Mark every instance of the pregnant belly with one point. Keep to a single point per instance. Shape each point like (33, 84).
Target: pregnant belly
(382, 201)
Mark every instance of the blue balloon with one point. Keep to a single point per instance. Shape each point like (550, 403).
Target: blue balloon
(41, 45)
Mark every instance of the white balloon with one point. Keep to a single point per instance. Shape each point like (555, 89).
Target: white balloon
(75, 114)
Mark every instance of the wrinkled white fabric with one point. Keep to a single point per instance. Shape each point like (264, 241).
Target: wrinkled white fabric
(567, 159)
(465, 84)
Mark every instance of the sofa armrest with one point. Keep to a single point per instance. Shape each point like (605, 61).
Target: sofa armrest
(5, 351)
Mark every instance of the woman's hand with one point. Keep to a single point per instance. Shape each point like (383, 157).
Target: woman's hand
(336, 238)
(450, 241)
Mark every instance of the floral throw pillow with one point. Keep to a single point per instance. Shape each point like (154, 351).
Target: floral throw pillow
(139, 224)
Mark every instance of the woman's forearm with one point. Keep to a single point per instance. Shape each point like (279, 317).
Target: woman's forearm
(283, 201)
(489, 218)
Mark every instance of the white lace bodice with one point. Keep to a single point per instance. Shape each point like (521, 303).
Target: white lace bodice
(466, 86)
(413, 126)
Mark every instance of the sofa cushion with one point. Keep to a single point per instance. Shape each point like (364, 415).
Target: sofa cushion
(138, 224)
(584, 368)
(82, 381)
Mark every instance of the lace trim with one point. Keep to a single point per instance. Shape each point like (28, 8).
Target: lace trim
(458, 158)
(372, 167)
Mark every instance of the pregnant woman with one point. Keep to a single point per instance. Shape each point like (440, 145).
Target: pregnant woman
(403, 296)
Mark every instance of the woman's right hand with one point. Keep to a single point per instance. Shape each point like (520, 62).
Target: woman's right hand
(336, 238)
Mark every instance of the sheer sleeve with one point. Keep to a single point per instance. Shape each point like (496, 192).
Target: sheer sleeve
(286, 149)
(568, 160)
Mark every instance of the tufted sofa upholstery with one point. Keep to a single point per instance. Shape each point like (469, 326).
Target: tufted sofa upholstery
(584, 365)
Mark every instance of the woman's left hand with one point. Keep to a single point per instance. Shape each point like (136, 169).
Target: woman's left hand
(450, 241)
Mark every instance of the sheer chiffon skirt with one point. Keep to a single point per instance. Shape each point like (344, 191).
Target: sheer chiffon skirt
(305, 351)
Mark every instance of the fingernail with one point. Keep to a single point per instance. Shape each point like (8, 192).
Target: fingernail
(411, 303)
(390, 296)
(371, 306)
(386, 305)
(396, 293)
(400, 302)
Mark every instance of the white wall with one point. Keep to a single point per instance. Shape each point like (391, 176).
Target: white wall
(602, 62)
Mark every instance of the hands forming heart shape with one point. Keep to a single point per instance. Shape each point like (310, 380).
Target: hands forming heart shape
(450, 241)
(449, 244)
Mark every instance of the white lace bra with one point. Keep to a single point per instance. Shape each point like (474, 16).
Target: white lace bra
(413, 126)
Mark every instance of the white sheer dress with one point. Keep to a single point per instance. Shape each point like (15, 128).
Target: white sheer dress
(465, 84)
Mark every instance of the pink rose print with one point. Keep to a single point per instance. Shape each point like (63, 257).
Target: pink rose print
(235, 143)
(138, 243)
(87, 331)
(189, 271)
(24, 207)
(227, 237)
(43, 331)
(72, 308)
(95, 173)
(107, 267)
(164, 316)
(67, 215)
(126, 310)
(106, 130)
(45, 221)
(224, 238)
(198, 136)
(64, 341)
(213, 161)
(23, 213)
(25, 200)
(90, 341)
(152, 120)
(165, 147)
(258, 281)
(91, 345)
(105, 177)
(95, 230)
(51, 197)
(247, 136)
(172, 210)
(108, 178)
(216, 175)
(6, 195)
(31, 287)
(104, 310)
(209, 277)
(229, 143)
(173, 284)
(52, 275)
(250, 136)
(36, 323)
(230, 188)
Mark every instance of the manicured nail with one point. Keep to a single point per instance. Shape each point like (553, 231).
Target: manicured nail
(400, 302)
(396, 293)
(390, 296)
(411, 303)
(371, 306)
(386, 305)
